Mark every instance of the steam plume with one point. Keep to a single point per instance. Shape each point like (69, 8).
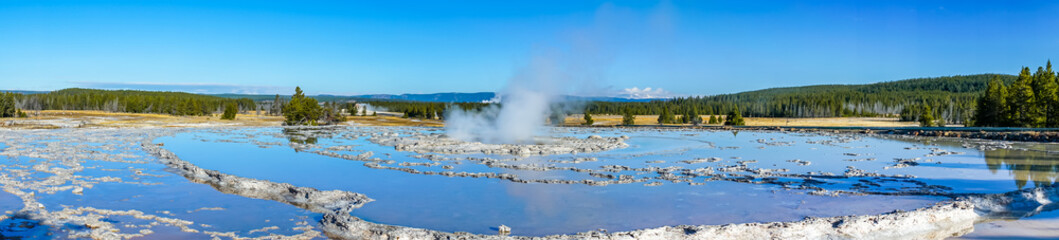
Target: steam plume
(519, 115)
(578, 68)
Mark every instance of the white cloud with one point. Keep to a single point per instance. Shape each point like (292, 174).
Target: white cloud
(647, 92)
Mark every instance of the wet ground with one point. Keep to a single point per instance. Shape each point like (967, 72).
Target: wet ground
(100, 182)
(1042, 226)
(675, 177)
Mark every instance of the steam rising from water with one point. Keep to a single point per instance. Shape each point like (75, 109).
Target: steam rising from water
(518, 117)
(578, 67)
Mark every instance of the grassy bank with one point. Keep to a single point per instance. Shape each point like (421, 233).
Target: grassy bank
(50, 119)
(66, 119)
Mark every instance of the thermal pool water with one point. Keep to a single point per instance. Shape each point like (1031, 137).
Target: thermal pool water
(119, 183)
(678, 177)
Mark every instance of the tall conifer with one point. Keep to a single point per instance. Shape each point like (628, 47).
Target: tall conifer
(1021, 101)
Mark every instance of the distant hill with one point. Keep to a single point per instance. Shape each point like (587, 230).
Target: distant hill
(22, 91)
(429, 97)
(255, 97)
(940, 86)
(609, 99)
(477, 97)
(955, 95)
(433, 97)
(952, 84)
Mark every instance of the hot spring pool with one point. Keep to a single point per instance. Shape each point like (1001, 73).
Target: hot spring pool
(663, 177)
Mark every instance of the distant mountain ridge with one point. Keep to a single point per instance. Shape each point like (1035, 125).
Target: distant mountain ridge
(956, 84)
(476, 97)
(953, 98)
(950, 84)
(432, 97)
(959, 84)
(23, 91)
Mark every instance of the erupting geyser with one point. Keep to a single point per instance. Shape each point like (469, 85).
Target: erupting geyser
(576, 64)
(521, 111)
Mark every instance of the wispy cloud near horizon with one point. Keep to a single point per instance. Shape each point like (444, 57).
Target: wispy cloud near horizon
(644, 93)
(207, 88)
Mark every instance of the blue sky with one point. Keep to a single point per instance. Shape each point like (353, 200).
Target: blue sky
(360, 47)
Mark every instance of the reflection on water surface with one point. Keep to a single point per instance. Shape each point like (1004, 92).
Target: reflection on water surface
(753, 176)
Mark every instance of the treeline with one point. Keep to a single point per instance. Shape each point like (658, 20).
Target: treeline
(734, 117)
(1032, 100)
(7, 105)
(950, 99)
(953, 97)
(174, 103)
(928, 116)
(1026, 100)
(424, 110)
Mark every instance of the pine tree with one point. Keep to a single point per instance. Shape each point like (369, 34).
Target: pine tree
(1048, 95)
(693, 117)
(712, 119)
(662, 117)
(670, 117)
(191, 108)
(627, 118)
(7, 105)
(992, 104)
(588, 119)
(230, 110)
(301, 110)
(926, 118)
(1022, 105)
(735, 118)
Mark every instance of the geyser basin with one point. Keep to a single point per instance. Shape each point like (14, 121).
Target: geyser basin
(441, 143)
(677, 177)
(57, 182)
